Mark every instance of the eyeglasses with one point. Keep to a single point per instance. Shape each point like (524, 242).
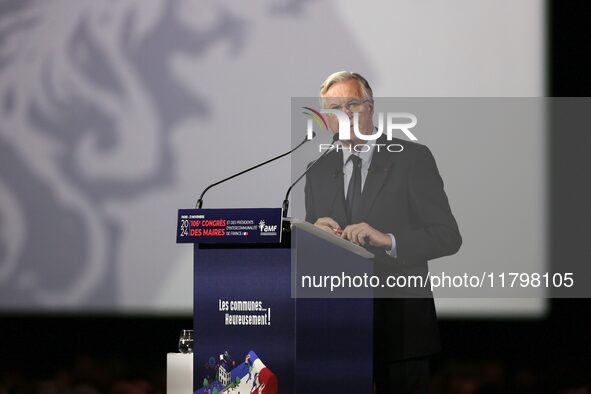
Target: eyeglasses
(351, 106)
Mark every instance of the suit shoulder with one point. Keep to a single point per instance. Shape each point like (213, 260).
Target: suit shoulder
(327, 163)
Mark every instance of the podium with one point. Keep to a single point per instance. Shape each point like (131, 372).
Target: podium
(252, 332)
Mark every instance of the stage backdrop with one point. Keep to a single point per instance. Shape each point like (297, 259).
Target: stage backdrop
(115, 114)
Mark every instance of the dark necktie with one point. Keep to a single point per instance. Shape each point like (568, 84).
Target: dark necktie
(354, 189)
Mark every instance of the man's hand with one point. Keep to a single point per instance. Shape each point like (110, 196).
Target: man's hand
(363, 234)
(329, 224)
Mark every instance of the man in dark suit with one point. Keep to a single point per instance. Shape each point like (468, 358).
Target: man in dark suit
(394, 204)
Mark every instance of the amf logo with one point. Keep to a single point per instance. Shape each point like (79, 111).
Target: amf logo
(267, 229)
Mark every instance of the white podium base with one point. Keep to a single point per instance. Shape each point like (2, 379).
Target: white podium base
(179, 373)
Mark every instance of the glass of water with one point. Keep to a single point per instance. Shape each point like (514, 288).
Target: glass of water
(186, 341)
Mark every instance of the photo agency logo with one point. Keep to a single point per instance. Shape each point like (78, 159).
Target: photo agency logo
(389, 123)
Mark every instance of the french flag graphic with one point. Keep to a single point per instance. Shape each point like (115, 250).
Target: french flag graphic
(253, 376)
(266, 381)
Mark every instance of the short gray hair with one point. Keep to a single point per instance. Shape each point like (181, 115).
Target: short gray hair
(342, 76)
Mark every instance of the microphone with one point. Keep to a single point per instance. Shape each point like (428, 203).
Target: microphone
(200, 200)
(285, 205)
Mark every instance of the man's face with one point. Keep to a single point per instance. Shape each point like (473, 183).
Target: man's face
(348, 97)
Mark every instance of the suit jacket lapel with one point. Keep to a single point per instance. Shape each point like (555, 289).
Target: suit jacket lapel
(376, 177)
(336, 185)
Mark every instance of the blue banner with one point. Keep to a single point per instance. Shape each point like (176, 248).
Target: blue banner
(236, 225)
(244, 321)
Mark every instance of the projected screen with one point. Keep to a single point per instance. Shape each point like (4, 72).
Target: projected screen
(124, 114)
